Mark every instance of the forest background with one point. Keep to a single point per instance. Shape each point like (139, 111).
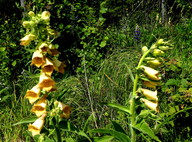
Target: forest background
(96, 38)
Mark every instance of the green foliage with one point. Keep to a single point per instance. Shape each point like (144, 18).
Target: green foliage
(97, 37)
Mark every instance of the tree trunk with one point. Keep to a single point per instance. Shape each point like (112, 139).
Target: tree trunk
(164, 12)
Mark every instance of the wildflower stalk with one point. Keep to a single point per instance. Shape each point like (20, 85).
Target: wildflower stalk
(134, 94)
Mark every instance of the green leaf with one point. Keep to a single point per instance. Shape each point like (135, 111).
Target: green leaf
(173, 82)
(144, 128)
(118, 127)
(81, 133)
(69, 140)
(103, 43)
(119, 107)
(14, 63)
(103, 139)
(26, 120)
(118, 135)
(2, 49)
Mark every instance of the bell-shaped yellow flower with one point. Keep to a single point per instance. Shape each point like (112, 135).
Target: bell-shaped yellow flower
(151, 84)
(33, 94)
(151, 105)
(151, 73)
(58, 65)
(149, 94)
(38, 59)
(45, 15)
(52, 50)
(27, 39)
(36, 127)
(40, 107)
(43, 47)
(46, 83)
(47, 68)
(66, 109)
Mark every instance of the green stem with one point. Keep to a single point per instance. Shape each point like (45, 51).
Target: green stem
(58, 134)
(134, 94)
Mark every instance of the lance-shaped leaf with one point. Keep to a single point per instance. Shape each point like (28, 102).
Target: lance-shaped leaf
(144, 128)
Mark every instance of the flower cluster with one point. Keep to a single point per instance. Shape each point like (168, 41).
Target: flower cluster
(150, 75)
(44, 57)
(137, 34)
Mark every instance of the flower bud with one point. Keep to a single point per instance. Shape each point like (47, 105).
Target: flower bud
(31, 13)
(157, 52)
(45, 15)
(26, 24)
(164, 48)
(154, 62)
(153, 46)
(144, 49)
(160, 42)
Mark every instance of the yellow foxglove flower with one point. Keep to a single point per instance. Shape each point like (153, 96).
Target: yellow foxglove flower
(151, 73)
(27, 39)
(157, 52)
(46, 83)
(40, 107)
(151, 105)
(36, 127)
(47, 68)
(53, 52)
(45, 15)
(58, 66)
(151, 84)
(66, 109)
(43, 47)
(150, 94)
(33, 94)
(38, 59)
